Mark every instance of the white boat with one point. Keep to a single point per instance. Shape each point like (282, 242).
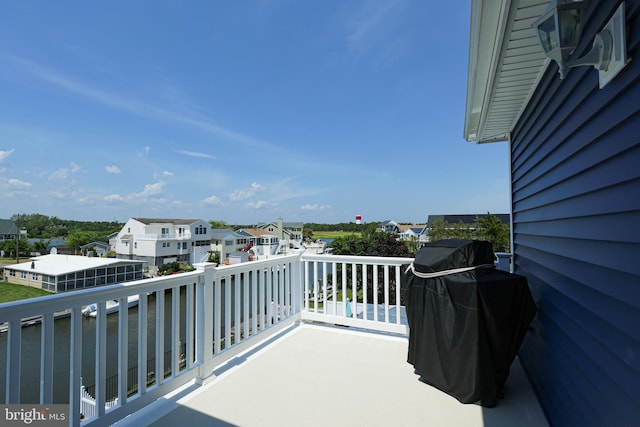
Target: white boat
(112, 306)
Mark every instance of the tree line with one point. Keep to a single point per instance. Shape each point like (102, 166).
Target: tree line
(45, 228)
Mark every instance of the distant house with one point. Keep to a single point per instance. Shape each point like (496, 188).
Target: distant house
(263, 242)
(8, 230)
(410, 232)
(158, 241)
(225, 242)
(389, 227)
(291, 232)
(99, 248)
(62, 273)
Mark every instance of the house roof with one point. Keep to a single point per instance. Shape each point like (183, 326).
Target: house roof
(414, 227)
(95, 244)
(506, 63)
(465, 218)
(55, 265)
(256, 232)
(175, 221)
(8, 227)
(224, 233)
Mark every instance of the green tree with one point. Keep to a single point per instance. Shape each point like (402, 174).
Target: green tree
(438, 230)
(219, 224)
(80, 238)
(371, 243)
(492, 229)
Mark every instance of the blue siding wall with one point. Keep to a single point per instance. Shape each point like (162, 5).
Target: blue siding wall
(576, 223)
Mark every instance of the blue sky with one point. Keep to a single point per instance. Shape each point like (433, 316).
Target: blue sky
(240, 111)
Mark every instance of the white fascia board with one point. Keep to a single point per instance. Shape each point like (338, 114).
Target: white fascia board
(488, 24)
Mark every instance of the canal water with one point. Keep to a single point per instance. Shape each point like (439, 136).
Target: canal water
(30, 351)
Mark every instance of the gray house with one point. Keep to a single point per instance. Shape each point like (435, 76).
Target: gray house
(575, 188)
(8, 230)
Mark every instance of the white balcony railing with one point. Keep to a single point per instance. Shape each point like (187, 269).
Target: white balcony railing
(195, 321)
(169, 236)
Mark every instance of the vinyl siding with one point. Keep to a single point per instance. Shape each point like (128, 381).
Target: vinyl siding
(575, 161)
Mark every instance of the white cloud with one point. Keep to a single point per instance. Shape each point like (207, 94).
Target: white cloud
(114, 198)
(62, 174)
(19, 184)
(257, 205)
(212, 200)
(245, 194)
(150, 190)
(145, 152)
(4, 155)
(314, 207)
(112, 169)
(163, 174)
(195, 154)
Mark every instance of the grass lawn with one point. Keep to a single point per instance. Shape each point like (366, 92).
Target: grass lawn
(333, 234)
(11, 292)
(6, 260)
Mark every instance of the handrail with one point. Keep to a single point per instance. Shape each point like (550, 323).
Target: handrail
(231, 304)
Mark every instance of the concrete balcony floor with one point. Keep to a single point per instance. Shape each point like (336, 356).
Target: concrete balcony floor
(314, 375)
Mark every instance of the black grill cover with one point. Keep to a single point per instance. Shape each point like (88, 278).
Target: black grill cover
(465, 329)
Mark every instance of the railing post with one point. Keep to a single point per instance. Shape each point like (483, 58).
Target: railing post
(204, 322)
(75, 367)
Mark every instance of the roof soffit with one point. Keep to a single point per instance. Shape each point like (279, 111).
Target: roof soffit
(505, 66)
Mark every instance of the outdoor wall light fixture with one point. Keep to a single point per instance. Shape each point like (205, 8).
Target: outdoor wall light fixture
(559, 30)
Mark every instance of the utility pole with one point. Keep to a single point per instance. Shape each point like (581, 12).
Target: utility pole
(18, 240)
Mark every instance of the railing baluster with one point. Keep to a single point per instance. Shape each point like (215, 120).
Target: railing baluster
(217, 313)
(189, 326)
(315, 286)
(344, 289)
(386, 293)
(398, 305)
(227, 311)
(123, 350)
(375, 292)
(354, 288)
(75, 366)
(262, 290)
(365, 289)
(281, 298)
(245, 304)
(14, 340)
(254, 301)
(175, 331)
(159, 368)
(101, 357)
(46, 359)
(142, 344)
(237, 287)
(306, 285)
(269, 296)
(287, 289)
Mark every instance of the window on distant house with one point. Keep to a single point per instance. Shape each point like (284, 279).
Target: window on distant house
(135, 245)
(184, 245)
(165, 231)
(23, 274)
(34, 276)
